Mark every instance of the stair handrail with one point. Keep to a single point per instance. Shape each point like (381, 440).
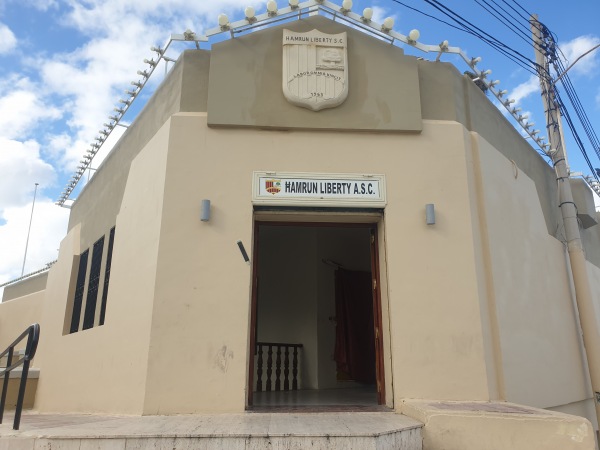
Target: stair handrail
(33, 336)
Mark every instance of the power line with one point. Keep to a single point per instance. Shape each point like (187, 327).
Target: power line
(514, 55)
(526, 18)
(523, 9)
(506, 22)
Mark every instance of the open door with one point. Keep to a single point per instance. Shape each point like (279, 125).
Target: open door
(298, 313)
(379, 369)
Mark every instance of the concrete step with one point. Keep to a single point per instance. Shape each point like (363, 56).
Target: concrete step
(243, 431)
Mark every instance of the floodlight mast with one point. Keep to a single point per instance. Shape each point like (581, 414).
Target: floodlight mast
(583, 293)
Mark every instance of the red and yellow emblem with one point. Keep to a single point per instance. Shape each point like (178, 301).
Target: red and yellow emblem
(273, 186)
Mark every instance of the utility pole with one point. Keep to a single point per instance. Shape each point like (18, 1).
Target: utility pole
(583, 294)
(29, 230)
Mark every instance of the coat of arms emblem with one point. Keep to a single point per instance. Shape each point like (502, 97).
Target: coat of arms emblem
(273, 186)
(315, 69)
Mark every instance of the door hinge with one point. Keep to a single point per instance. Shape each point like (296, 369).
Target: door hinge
(378, 386)
(376, 332)
(374, 283)
(372, 239)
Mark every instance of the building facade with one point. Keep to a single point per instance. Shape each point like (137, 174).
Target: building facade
(151, 310)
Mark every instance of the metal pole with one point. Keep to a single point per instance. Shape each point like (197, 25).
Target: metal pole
(29, 230)
(583, 294)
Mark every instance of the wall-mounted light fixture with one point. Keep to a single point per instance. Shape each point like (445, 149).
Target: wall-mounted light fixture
(430, 214)
(205, 210)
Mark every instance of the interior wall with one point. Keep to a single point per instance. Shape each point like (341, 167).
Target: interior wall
(349, 247)
(296, 295)
(287, 293)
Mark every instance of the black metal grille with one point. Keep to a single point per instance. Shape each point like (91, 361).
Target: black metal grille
(77, 300)
(111, 241)
(92, 293)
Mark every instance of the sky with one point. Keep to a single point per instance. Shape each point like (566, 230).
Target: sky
(65, 64)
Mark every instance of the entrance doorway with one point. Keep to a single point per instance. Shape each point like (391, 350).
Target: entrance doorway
(316, 316)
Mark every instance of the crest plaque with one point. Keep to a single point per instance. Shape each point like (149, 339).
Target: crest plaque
(315, 69)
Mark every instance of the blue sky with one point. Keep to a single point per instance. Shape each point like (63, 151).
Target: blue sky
(65, 64)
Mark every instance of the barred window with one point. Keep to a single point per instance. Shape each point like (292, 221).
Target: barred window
(95, 286)
(80, 286)
(92, 293)
(111, 241)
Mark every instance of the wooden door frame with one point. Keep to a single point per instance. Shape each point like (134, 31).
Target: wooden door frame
(377, 317)
(377, 309)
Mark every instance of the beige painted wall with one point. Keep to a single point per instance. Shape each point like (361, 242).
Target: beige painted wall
(16, 315)
(478, 309)
(202, 302)
(103, 369)
(29, 285)
(181, 291)
(542, 359)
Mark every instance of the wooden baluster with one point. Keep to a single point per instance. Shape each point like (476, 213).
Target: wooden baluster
(259, 369)
(286, 369)
(295, 370)
(278, 369)
(269, 367)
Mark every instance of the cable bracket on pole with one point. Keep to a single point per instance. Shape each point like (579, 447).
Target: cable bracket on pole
(564, 203)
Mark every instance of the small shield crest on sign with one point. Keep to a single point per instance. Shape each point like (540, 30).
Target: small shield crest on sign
(315, 69)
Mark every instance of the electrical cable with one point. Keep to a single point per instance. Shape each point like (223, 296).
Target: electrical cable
(526, 19)
(430, 16)
(491, 41)
(548, 48)
(524, 10)
(514, 55)
(502, 19)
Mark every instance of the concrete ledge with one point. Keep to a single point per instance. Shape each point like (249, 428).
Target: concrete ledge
(243, 431)
(32, 375)
(496, 426)
(14, 381)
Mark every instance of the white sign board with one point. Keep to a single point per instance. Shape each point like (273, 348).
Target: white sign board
(315, 189)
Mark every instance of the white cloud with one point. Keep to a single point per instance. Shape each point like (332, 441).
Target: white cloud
(525, 89)
(8, 41)
(577, 47)
(49, 221)
(379, 14)
(21, 167)
(22, 108)
(92, 78)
